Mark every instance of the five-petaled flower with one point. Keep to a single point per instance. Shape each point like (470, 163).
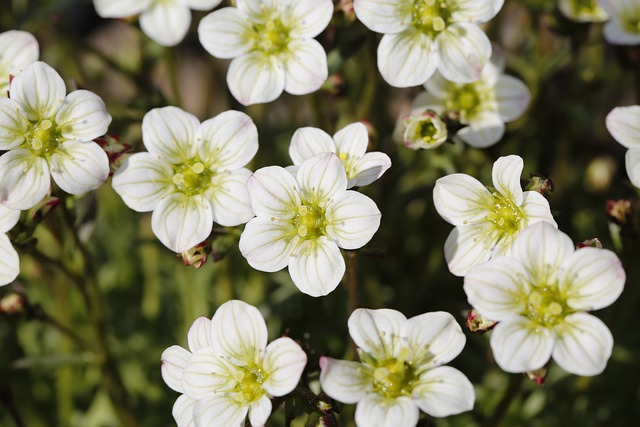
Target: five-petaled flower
(539, 294)
(486, 219)
(17, 50)
(272, 46)
(9, 261)
(192, 175)
(622, 124)
(48, 134)
(230, 371)
(349, 144)
(421, 36)
(583, 10)
(400, 370)
(623, 26)
(303, 221)
(165, 21)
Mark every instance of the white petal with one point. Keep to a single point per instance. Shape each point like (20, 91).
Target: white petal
(120, 8)
(614, 33)
(202, 4)
(24, 179)
(228, 141)
(632, 163)
(207, 373)
(78, 167)
(506, 177)
(444, 391)
(536, 208)
(267, 244)
(352, 218)
(273, 192)
(239, 333)
(407, 59)
(512, 96)
(478, 11)
(464, 50)
(220, 410)
(321, 177)
(39, 90)
(496, 288)
(484, 130)
(370, 167)
(180, 222)
(13, 124)
(143, 180)
(317, 266)
(309, 18)
(199, 335)
(8, 218)
(259, 412)
(352, 139)
(19, 49)
(9, 261)
(382, 16)
(182, 410)
(344, 381)
(438, 87)
(435, 339)
(82, 116)
(307, 142)
(519, 345)
(583, 345)
(255, 78)
(375, 410)
(223, 33)
(378, 332)
(229, 198)
(468, 246)
(170, 133)
(461, 199)
(306, 67)
(174, 360)
(623, 123)
(542, 249)
(166, 23)
(591, 279)
(284, 360)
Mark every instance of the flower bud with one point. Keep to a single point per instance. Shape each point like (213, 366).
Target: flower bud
(538, 182)
(478, 323)
(619, 211)
(594, 243)
(538, 375)
(425, 130)
(196, 256)
(13, 304)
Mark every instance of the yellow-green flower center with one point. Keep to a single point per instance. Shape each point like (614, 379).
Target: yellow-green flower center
(393, 377)
(504, 215)
(270, 36)
(545, 305)
(192, 177)
(586, 7)
(310, 221)
(43, 138)
(467, 100)
(632, 24)
(249, 385)
(430, 16)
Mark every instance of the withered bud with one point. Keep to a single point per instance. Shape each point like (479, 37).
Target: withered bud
(115, 151)
(538, 375)
(593, 243)
(478, 323)
(37, 213)
(619, 211)
(13, 304)
(538, 182)
(196, 256)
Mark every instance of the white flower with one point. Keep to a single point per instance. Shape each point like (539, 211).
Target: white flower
(400, 370)
(174, 361)
(486, 219)
(48, 134)
(623, 26)
(192, 176)
(232, 372)
(272, 44)
(9, 261)
(349, 144)
(17, 50)
(165, 21)
(303, 221)
(539, 295)
(422, 35)
(424, 129)
(482, 106)
(622, 124)
(583, 10)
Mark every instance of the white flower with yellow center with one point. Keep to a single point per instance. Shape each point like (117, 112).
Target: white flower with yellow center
(424, 129)
(17, 50)
(234, 372)
(49, 134)
(486, 219)
(583, 10)
(421, 36)
(303, 221)
(623, 26)
(165, 21)
(192, 175)
(622, 124)
(539, 295)
(400, 370)
(349, 144)
(272, 46)
(482, 106)
(9, 261)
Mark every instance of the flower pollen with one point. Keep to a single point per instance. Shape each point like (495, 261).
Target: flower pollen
(431, 16)
(545, 305)
(310, 221)
(250, 383)
(504, 215)
(270, 35)
(43, 137)
(393, 377)
(192, 177)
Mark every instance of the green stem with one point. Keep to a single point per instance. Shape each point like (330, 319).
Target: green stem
(172, 61)
(513, 390)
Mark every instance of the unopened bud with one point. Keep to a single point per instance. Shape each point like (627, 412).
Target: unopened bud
(593, 243)
(346, 8)
(425, 130)
(37, 213)
(478, 323)
(335, 84)
(538, 375)
(196, 256)
(13, 304)
(540, 183)
(619, 211)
